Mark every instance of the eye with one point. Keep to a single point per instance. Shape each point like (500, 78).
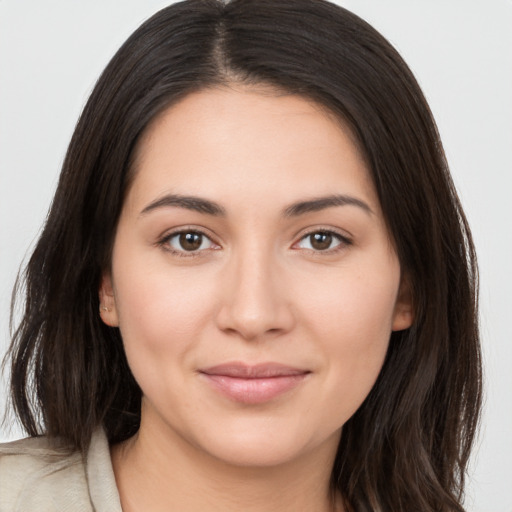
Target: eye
(187, 241)
(322, 241)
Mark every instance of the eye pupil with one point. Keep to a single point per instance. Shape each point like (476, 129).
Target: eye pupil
(321, 241)
(190, 241)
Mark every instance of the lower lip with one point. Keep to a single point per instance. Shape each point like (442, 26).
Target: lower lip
(254, 391)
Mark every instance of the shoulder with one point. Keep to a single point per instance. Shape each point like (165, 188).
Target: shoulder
(36, 474)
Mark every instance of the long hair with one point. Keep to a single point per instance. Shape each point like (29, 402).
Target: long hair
(407, 446)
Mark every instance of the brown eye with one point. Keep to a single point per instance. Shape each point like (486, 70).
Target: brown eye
(188, 241)
(322, 241)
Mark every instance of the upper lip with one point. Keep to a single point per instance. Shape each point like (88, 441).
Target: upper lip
(253, 371)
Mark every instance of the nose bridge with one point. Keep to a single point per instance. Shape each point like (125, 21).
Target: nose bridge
(254, 302)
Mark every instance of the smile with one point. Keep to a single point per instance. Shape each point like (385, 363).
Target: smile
(253, 384)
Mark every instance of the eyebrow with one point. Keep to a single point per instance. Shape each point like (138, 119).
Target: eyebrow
(209, 207)
(193, 203)
(321, 203)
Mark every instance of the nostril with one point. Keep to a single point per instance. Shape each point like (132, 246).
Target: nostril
(250, 324)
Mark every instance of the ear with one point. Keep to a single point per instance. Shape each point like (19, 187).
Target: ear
(108, 310)
(403, 316)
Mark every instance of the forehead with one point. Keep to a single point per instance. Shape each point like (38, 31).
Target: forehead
(253, 142)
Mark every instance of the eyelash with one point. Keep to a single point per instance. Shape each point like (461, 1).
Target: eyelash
(164, 242)
(343, 240)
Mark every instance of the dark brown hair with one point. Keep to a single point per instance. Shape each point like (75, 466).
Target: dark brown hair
(407, 447)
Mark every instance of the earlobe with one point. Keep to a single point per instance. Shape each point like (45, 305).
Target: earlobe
(403, 315)
(108, 310)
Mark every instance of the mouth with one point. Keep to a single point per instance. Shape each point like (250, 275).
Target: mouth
(253, 384)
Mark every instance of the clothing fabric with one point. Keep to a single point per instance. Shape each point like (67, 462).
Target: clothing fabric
(39, 476)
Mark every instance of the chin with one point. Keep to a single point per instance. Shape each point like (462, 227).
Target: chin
(258, 454)
(259, 446)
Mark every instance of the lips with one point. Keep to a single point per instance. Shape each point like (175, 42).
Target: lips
(253, 384)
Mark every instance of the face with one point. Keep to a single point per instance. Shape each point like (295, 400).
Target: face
(253, 279)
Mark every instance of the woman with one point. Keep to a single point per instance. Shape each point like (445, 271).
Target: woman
(256, 286)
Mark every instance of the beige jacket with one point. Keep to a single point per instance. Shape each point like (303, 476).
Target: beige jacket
(35, 477)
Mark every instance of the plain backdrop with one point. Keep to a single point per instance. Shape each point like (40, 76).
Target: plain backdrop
(52, 51)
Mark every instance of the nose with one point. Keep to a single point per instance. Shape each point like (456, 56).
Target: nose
(255, 300)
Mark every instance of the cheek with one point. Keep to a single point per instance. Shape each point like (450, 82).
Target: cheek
(358, 305)
(161, 318)
(351, 320)
(160, 310)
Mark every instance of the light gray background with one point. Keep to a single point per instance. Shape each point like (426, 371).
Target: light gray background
(52, 51)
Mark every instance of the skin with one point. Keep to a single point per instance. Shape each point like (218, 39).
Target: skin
(257, 290)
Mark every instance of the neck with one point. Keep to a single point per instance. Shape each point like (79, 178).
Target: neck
(156, 468)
